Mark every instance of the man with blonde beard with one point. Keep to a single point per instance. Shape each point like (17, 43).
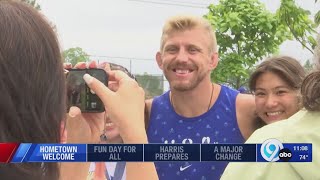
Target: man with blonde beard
(195, 110)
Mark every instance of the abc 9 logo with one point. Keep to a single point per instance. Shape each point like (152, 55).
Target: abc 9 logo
(272, 150)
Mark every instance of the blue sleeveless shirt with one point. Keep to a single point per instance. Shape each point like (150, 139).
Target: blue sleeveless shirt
(217, 125)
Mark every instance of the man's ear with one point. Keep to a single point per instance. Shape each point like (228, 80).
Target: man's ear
(159, 60)
(214, 58)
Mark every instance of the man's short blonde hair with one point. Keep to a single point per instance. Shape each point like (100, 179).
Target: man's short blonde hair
(188, 22)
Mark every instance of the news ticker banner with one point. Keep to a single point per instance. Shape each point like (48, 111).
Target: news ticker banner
(270, 150)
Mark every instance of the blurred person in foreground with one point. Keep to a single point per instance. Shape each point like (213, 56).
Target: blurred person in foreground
(33, 97)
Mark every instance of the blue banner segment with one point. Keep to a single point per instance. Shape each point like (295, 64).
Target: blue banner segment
(21, 152)
(115, 152)
(285, 152)
(56, 153)
(271, 150)
(172, 152)
(228, 152)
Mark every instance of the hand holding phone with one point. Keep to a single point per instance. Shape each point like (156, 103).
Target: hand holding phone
(79, 94)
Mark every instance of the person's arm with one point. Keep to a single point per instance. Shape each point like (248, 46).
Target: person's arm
(76, 170)
(139, 170)
(126, 109)
(147, 112)
(246, 116)
(80, 129)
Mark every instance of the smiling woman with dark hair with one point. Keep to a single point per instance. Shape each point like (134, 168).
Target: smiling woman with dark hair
(276, 85)
(302, 127)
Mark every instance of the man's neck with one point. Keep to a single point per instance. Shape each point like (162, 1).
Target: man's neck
(194, 102)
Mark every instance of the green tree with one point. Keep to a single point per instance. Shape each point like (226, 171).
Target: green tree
(74, 55)
(33, 3)
(298, 23)
(246, 32)
(317, 16)
(152, 84)
(308, 66)
(36, 5)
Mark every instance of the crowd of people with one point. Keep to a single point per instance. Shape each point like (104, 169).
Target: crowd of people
(284, 104)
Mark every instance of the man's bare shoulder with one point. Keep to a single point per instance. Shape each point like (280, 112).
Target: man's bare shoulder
(246, 116)
(246, 99)
(147, 112)
(245, 104)
(148, 104)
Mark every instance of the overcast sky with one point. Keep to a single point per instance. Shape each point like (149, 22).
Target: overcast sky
(131, 29)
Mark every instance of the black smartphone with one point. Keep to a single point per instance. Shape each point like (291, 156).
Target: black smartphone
(79, 94)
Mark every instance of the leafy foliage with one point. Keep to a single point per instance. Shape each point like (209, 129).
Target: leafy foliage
(33, 3)
(246, 32)
(298, 23)
(308, 66)
(74, 55)
(317, 16)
